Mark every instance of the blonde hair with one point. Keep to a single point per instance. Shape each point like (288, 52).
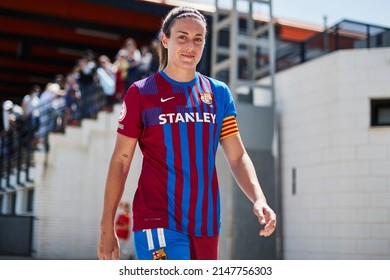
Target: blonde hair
(172, 16)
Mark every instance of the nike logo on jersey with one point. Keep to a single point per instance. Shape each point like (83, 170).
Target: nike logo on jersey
(166, 99)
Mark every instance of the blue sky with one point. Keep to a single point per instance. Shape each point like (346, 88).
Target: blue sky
(375, 12)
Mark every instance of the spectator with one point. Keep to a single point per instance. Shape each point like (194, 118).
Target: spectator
(121, 63)
(30, 108)
(14, 131)
(47, 113)
(122, 228)
(146, 60)
(11, 114)
(59, 111)
(72, 101)
(60, 80)
(106, 74)
(72, 98)
(87, 83)
(154, 64)
(31, 100)
(8, 117)
(134, 59)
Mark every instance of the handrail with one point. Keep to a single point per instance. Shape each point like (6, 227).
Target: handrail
(21, 140)
(346, 34)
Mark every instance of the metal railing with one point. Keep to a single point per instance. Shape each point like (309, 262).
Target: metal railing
(346, 34)
(16, 148)
(29, 134)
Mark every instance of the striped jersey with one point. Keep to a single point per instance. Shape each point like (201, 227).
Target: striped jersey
(178, 126)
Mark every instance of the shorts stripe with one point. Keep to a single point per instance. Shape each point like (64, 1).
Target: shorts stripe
(149, 238)
(161, 237)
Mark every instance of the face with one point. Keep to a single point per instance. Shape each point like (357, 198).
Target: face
(186, 43)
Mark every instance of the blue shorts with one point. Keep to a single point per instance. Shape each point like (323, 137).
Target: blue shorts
(166, 244)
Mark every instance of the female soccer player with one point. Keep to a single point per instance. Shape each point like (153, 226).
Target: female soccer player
(178, 116)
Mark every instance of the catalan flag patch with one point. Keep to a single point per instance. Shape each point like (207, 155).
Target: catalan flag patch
(229, 127)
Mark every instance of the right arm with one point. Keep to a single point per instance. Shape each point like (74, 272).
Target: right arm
(117, 174)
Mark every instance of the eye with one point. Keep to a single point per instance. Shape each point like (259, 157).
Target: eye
(198, 40)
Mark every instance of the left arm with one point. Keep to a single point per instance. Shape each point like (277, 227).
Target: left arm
(245, 175)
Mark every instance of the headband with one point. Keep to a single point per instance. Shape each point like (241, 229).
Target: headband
(183, 14)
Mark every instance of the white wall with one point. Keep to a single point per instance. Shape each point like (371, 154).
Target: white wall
(341, 209)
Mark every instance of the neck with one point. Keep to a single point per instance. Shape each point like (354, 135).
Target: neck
(179, 75)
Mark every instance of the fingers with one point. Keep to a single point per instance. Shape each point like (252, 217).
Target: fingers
(100, 253)
(262, 219)
(116, 253)
(103, 255)
(106, 251)
(267, 217)
(269, 228)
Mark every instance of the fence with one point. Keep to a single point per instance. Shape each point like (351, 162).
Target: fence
(344, 35)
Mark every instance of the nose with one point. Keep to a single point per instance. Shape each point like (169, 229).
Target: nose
(190, 45)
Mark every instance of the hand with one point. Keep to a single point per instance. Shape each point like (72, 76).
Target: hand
(266, 216)
(108, 247)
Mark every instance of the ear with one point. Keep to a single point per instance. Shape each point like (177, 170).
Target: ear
(164, 40)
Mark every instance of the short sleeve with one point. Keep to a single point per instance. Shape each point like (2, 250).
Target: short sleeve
(230, 108)
(130, 118)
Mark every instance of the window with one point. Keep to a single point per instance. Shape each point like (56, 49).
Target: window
(294, 181)
(1, 204)
(11, 203)
(30, 200)
(380, 112)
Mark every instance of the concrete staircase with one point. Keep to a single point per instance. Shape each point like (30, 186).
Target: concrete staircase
(69, 188)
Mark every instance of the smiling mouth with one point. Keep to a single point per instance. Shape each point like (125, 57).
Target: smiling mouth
(188, 55)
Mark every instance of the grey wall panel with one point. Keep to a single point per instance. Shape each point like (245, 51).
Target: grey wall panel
(246, 242)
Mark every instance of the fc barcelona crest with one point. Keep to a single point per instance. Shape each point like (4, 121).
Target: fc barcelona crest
(159, 254)
(207, 98)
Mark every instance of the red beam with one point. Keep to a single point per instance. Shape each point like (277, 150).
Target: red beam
(13, 78)
(90, 12)
(24, 27)
(44, 51)
(32, 66)
(8, 45)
